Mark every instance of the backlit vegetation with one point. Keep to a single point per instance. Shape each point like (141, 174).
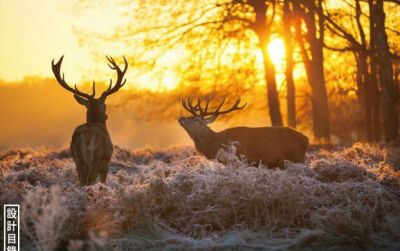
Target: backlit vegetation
(345, 197)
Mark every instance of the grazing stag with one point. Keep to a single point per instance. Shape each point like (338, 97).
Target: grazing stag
(270, 145)
(91, 146)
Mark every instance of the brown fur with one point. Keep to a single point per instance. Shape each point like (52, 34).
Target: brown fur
(91, 148)
(268, 145)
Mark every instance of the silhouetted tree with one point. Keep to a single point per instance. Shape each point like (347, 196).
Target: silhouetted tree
(374, 69)
(367, 88)
(242, 21)
(262, 27)
(289, 43)
(206, 31)
(311, 44)
(375, 92)
(385, 70)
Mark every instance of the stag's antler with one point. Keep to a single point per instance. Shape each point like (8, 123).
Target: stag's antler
(198, 110)
(56, 70)
(217, 111)
(189, 106)
(120, 75)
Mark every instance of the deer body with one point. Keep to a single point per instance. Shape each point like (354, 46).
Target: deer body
(91, 149)
(91, 146)
(268, 145)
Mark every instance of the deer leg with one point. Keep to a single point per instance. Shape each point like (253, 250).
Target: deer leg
(104, 171)
(81, 169)
(94, 170)
(82, 173)
(280, 164)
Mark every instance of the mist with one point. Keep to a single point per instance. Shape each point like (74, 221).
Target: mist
(38, 112)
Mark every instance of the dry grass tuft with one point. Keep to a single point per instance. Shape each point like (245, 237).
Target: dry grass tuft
(347, 197)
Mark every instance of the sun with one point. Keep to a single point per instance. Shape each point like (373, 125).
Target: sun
(276, 50)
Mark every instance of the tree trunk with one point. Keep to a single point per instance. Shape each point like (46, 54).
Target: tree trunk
(388, 93)
(375, 99)
(273, 98)
(363, 78)
(364, 91)
(381, 69)
(320, 99)
(262, 29)
(315, 64)
(375, 93)
(288, 37)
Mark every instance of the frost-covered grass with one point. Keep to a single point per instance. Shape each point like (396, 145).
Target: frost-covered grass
(342, 198)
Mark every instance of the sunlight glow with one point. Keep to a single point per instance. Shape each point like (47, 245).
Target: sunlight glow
(276, 50)
(164, 76)
(166, 81)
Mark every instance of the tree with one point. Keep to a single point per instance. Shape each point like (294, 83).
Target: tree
(221, 48)
(311, 13)
(206, 31)
(375, 92)
(374, 68)
(289, 43)
(367, 86)
(385, 70)
(262, 27)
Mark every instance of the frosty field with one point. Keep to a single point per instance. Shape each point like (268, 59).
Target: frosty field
(343, 198)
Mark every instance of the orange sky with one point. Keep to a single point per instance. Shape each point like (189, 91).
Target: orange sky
(40, 30)
(34, 32)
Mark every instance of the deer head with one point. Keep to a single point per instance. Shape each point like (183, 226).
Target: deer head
(196, 124)
(96, 107)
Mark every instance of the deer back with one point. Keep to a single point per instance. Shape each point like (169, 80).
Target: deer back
(91, 148)
(270, 145)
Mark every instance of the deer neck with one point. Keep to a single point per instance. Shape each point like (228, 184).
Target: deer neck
(199, 133)
(90, 118)
(207, 141)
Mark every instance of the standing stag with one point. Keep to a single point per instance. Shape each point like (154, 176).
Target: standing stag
(91, 146)
(270, 145)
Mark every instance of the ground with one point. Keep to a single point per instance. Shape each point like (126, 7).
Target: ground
(342, 198)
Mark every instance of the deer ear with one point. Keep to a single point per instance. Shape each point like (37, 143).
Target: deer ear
(81, 100)
(211, 119)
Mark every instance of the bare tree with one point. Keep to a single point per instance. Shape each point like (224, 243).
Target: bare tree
(262, 27)
(289, 43)
(376, 112)
(385, 71)
(208, 31)
(311, 44)
(367, 86)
